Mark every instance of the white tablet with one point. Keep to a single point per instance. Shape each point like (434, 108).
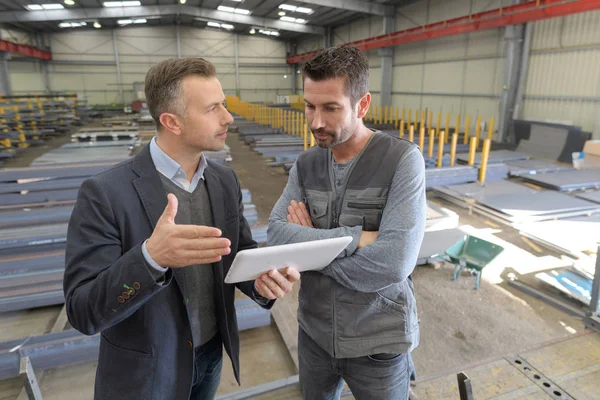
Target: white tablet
(307, 256)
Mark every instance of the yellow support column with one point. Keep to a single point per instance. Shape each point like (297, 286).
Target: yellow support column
(472, 150)
(484, 159)
(440, 158)
(411, 133)
(431, 142)
(439, 124)
(396, 119)
(467, 123)
(422, 119)
(453, 148)
(387, 114)
(403, 114)
(422, 139)
(401, 129)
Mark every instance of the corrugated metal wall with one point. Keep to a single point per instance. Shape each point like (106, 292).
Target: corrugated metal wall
(563, 81)
(460, 74)
(84, 62)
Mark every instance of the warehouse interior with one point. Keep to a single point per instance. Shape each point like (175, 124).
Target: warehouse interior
(501, 96)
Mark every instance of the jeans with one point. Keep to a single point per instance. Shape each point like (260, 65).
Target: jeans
(374, 377)
(207, 369)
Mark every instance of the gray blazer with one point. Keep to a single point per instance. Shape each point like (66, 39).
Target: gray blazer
(145, 347)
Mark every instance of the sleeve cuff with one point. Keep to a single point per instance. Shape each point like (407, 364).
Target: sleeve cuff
(156, 270)
(260, 300)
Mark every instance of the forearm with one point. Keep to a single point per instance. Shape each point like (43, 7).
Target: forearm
(108, 296)
(393, 256)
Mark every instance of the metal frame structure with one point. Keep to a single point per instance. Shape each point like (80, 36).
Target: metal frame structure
(512, 15)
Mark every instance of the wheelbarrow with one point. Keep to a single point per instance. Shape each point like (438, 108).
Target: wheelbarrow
(472, 253)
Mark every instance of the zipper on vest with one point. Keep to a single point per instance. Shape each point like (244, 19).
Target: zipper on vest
(366, 206)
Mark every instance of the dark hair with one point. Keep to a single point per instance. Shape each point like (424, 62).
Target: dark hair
(163, 84)
(341, 62)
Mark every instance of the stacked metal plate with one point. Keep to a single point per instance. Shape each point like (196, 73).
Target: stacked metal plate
(512, 203)
(590, 196)
(447, 176)
(583, 179)
(495, 157)
(571, 236)
(545, 142)
(524, 167)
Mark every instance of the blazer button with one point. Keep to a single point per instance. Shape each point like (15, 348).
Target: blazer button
(190, 344)
(136, 285)
(121, 299)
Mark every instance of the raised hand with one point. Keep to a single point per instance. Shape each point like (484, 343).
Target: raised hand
(173, 245)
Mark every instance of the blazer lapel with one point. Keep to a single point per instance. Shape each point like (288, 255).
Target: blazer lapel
(215, 194)
(153, 197)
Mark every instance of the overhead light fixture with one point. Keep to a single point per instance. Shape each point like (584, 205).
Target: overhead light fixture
(219, 25)
(234, 10)
(252, 31)
(268, 32)
(133, 3)
(97, 25)
(132, 21)
(38, 7)
(289, 7)
(69, 2)
(71, 24)
(295, 20)
(182, 1)
(281, 13)
(238, 1)
(285, 77)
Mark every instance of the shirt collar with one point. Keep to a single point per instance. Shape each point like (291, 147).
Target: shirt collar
(169, 167)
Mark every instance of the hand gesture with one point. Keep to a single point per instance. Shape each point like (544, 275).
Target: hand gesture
(274, 284)
(174, 246)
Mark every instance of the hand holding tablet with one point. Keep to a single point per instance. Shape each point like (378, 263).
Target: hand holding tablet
(307, 256)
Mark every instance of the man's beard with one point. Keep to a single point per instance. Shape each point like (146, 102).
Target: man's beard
(343, 137)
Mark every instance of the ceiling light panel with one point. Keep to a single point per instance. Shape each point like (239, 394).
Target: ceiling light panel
(121, 4)
(234, 10)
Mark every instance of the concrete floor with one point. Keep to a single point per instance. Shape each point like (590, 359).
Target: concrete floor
(459, 326)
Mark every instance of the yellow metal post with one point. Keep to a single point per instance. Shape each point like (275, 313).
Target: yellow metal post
(439, 124)
(431, 142)
(484, 159)
(387, 111)
(440, 158)
(457, 128)
(472, 150)
(430, 120)
(467, 123)
(403, 114)
(422, 118)
(396, 119)
(422, 139)
(305, 136)
(447, 126)
(401, 129)
(478, 130)
(453, 148)
(411, 133)
(409, 117)
(491, 130)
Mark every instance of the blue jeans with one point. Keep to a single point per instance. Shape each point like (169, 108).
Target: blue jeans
(207, 369)
(375, 377)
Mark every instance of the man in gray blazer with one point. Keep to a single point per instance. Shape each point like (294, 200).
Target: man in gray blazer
(149, 243)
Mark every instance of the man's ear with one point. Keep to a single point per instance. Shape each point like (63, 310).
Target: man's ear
(363, 105)
(171, 123)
